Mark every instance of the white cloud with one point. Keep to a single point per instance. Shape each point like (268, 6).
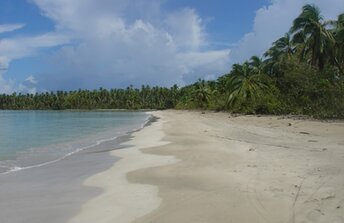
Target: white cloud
(20, 47)
(114, 43)
(29, 85)
(10, 27)
(275, 20)
(31, 80)
(16, 48)
(119, 45)
(201, 64)
(186, 28)
(6, 86)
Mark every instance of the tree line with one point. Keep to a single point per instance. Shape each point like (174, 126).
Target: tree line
(302, 73)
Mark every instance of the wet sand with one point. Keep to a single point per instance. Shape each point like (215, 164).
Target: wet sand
(53, 193)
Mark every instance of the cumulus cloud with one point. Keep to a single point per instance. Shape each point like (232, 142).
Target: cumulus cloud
(21, 47)
(186, 28)
(115, 43)
(6, 86)
(118, 45)
(16, 48)
(29, 85)
(10, 27)
(274, 21)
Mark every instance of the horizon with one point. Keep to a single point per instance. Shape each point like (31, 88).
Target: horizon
(61, 45)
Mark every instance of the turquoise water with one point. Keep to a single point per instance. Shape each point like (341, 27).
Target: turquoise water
(34, 138)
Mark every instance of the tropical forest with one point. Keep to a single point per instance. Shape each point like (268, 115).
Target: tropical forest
(301, 74)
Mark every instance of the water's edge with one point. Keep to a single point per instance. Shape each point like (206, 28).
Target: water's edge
(112, 141)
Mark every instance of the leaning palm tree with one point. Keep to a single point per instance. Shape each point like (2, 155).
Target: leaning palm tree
(272, 58)
(318, 39)
(281, 49)
(257, 64)
(245, 83)
(285, 45)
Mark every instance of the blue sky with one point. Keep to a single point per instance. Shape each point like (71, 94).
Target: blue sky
(61, 44)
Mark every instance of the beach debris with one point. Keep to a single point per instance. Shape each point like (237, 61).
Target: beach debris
(324, 149)
(338, 207)
(277, 190)
(312, 140)
(203, 112)
(318, 210)
(329, 197)
(312, 201)
(289, 124)
(251, 149)
(305, 133)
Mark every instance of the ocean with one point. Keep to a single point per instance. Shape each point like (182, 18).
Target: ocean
(31, 139)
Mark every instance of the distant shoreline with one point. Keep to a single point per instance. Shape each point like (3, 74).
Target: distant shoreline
(81, 110)
(286, 116)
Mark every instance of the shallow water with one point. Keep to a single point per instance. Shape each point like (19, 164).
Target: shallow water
(35, 138)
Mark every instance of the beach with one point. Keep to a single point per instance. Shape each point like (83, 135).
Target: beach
(192, 167)
(225, 169)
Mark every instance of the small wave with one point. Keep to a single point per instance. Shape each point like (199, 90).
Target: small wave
(98, 142)
(12, 169)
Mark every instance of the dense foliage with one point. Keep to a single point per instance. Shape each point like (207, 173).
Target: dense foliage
(302, 73)
(130, 98)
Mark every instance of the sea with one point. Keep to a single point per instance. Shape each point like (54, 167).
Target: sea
(32, 139)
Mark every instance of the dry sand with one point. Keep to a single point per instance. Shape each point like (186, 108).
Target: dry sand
(209, 168)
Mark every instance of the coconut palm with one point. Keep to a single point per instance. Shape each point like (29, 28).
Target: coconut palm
(257, 64)
(201, 93)
(318, 39)
(281, 49)
(338, 33)
(285, 45)
(245, 83)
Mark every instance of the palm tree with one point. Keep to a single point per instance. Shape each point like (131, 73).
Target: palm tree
(281, 49)
(285, 45)
(318, 39)
(245, 82)
(201, 93)
(257, 64)
(338, 33)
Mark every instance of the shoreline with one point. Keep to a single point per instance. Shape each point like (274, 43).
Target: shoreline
(97, 143)
(54, 191)
(122, 201)
(221, 168)
(189, 166)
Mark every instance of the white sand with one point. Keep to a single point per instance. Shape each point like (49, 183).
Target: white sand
(122, 201)
(243, 169)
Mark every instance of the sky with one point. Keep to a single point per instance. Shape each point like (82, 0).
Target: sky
(49, 45)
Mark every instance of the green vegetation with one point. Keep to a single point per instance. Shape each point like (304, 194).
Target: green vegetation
(302, 73)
